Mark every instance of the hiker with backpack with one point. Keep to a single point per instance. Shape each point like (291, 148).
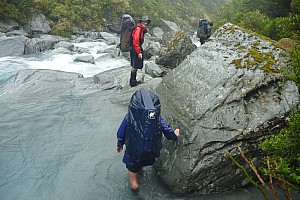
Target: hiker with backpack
(131, 39)
(136, 53)
(204, 30)
(141, 131)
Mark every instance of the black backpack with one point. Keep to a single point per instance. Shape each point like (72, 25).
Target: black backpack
(128, 25)
(202, 31)
(143, 133)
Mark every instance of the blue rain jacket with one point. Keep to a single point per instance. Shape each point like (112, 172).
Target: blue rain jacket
(165, 129)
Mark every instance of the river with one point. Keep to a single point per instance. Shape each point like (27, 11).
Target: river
(57, 146)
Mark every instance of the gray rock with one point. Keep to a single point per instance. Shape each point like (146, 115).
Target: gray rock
(104, 56)
(12, 46)
(63, 44)
(110, 38)
(168, 26)
(39, 24)
(61, 50)
(153, 69)
(8, 26)
(36, 45)
(220, 100)
(92, 35)
(81, 50)
(86, 59)
(17, 33)
(158, 33)
(151, 48)
(176, 50)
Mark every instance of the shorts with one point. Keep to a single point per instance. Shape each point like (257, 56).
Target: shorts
(133, 168)
(135, 61)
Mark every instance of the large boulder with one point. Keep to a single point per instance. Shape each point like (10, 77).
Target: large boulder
(39, 24)
(151, 48)
(37, 45)
(228, 92)
(12, 46)
(169, 29)
(176, 50)
(168, 26)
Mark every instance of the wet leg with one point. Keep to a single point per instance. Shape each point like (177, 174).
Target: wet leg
(134, 180)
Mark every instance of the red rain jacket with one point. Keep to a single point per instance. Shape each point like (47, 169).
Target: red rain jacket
(138, 37)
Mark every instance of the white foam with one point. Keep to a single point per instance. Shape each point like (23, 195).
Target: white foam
(64, 62)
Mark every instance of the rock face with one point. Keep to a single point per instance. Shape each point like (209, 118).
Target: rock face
(169, 26)
(176, 50)
(228, 92)
(39, 24)
(12, 45)
(36, 45)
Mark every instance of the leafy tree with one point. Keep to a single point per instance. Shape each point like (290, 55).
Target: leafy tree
(295, 6)
(271, 18)
(17, 10)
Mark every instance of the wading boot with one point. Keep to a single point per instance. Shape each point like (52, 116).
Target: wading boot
(133, 82)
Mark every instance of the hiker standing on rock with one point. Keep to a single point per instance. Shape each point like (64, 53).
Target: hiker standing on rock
(141, 132)
(136, 53)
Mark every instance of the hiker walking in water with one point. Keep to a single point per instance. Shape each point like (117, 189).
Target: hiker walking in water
(136, 53)
(141, 132)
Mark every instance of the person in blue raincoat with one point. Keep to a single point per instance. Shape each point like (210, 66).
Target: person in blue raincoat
(143, 118)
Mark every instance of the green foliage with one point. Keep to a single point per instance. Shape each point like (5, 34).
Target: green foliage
(271, 18)
(17, 10)
(295, 6)
(284, 151)
(287, 27)
(284, 148)
(294, 73)
(69, 15)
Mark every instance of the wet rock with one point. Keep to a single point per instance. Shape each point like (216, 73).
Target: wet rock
(229, 92)
(39, 24)
(176, 50)
(12, 46)
(40, 44)
(86, 59)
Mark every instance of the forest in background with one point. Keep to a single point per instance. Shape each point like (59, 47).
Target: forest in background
(275, 19)
(65, 16)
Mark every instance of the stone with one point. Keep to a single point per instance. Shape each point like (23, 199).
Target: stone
(40, 44)
(176, 50)
(227, 93)
(153, 69)
(39, 24)
(86, 59)
(12, 46)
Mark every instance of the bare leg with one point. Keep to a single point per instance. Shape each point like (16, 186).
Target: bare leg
(134, 180)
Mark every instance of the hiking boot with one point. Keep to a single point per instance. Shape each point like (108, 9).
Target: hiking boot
(133, 82)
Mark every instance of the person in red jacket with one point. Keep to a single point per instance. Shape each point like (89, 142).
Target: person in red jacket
(136, 54)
